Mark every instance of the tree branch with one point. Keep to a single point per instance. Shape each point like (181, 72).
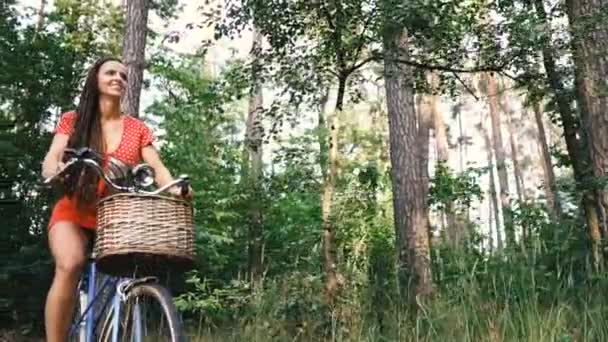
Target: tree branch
(466, 87)
(426, 66)
(330, 20)
(362, 41)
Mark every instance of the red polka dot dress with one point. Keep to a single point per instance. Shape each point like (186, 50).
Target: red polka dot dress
(136, 135)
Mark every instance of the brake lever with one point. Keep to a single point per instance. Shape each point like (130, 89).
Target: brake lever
(185, 185)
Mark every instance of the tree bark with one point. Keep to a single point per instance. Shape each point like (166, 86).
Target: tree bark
(490, 220)
(455, 231)
(134, 48)
(519, 177)
(575, 138)
(333, 280)
(590, 49)
(492, 92)
(425, 119)
(412, 243)
(550, 186)
(493, 192)
(254, 140)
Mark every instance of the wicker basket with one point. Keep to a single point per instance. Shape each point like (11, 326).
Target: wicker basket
(143, 235)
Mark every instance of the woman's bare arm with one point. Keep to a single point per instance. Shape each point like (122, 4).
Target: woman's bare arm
(151, 157)
(162, 175)
(52, 161)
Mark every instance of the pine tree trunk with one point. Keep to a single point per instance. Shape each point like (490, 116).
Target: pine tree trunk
(410, 215)
(550, 186)
(461, 142)
(590, 51)
(133, 54)
(425, 119)
(519, 177)
(254, 141)
(491, 86)
(455, 232)
(493, 192)
(576, 144)
(490, 226)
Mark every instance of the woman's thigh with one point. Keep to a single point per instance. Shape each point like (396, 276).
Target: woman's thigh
(68, 244)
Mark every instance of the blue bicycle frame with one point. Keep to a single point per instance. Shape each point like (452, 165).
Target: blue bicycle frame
(91, 317)
(88, 315)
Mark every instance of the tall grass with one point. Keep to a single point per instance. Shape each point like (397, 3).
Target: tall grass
(472, 314)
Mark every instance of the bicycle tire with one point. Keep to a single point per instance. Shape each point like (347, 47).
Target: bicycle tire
(154, 291)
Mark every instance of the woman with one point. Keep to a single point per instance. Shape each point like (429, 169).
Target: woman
(97, 123)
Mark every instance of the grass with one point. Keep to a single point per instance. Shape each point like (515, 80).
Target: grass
(468, 317)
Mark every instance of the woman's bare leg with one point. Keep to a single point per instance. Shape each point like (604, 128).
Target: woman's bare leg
(68, 244)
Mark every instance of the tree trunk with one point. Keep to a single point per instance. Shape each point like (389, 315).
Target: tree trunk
(590, 49)
(322, 131)
(577, 147)
(519, 177)
(491, 87)
(133, 54)
(461, 142)
(425, 119)
(455, 231)
(333, 280)
(41, 16)
(550, 186)
(490, 220)
(493, 193)
(254, 141)
(412, 243)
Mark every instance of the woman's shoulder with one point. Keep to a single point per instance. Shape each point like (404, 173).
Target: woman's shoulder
(66, 122)
(69, 115)
(134, 121)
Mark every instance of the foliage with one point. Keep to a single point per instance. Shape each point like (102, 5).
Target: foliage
(461, 189)
(41, 74)
(538, 290)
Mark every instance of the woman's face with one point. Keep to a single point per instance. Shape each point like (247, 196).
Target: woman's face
(112, 79)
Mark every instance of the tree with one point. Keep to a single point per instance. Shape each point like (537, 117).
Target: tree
(454, 230)
(590, 54)
(519, 177)
(336, 51)
(409, 188)
(575, 137)
(41, 15)
(492, 190)
(254, 139)
(490, 85)
(134, 50)
(41, 77)
(550, 186)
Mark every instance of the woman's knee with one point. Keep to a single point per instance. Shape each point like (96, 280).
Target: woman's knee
(70, 265)
(68, 245)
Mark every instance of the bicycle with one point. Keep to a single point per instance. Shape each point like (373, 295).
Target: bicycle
(112, 308)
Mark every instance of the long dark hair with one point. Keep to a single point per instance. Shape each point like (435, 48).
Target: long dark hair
(82, 184)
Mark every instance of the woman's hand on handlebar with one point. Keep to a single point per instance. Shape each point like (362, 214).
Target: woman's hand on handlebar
(184, 191)
(53, 174)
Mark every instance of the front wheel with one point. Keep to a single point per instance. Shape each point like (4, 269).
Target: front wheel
(147, 315)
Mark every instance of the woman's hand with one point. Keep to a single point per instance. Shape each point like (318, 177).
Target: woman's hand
(177, 191)
(51, 172)
(162, 175)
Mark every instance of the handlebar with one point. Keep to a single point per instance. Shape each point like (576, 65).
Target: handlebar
(143, 175)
